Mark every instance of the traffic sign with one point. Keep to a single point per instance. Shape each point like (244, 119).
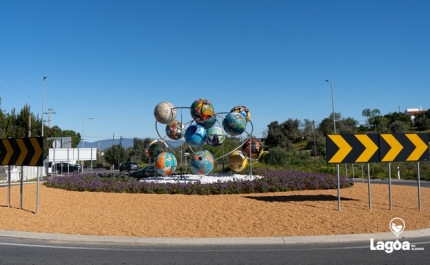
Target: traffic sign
(404, 147)
(365, 148)
(352, 148)
(22, 151)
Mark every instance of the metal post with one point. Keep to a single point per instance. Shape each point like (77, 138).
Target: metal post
(40, 174)
(20, 186)
(368, 186)
(83, 140)
(419, 186)
(332, 105)
(338, 187)
(389, 185)
(8, 186)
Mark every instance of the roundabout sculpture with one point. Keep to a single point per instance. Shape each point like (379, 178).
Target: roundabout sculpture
(204, 128)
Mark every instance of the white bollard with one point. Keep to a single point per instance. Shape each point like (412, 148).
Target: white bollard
(398, 172)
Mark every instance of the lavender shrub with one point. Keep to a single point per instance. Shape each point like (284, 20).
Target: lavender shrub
(271, 181)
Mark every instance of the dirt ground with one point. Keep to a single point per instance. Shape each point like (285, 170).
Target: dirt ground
(300, 213)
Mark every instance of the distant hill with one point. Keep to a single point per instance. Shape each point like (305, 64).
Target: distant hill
(126, 143)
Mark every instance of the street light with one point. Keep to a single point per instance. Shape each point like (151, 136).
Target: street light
(83, 140)
(40, 174)
(332, 105)
(334, 129)
(43, 101)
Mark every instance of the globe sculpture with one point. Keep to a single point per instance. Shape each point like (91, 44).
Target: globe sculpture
(165, 163)
(252, 148)
(195, 135)
(156, 147)
(244, 111)
(202, 162)
(175, 130)
(202, 110)
(234, 124)
(237, 161)
(215, 136)
(164, 112)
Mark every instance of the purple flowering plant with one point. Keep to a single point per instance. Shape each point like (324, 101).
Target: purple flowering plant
(272, 180)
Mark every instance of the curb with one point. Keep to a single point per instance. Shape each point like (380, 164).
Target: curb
(286, 240)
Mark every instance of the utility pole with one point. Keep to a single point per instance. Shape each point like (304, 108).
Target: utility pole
(50, 111)
(120, 151)
(29, 126)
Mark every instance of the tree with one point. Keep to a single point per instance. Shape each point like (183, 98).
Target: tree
(398, 127)
(371, 116)
(114, 154)
(381, 124)
(422, 121)
(347, 125)
(291, 129)
(275, 157)
(326, 126)
(307, 128)
(275, 136)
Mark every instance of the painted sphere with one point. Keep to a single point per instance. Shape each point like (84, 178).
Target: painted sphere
(252, 148)
(202, 110)
(234, 124)
(207, 123)
(195, 135)
(215, 136)
(165, 163)
(156, 147)
(237, 161)
(175, 130)
(244, 111)
(202, 162)
(164, 112)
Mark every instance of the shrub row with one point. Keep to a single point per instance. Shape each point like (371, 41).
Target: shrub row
(271, 181)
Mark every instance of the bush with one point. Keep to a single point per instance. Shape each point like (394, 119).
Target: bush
(271, 181)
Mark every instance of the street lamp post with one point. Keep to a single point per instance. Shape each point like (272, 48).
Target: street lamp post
(43, 101)
(334, 129)
(40, 174)
(332, 105)
(83, 140)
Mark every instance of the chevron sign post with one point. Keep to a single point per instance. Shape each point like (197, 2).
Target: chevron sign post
(367, 148)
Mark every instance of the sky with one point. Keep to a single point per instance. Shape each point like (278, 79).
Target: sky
(114, 61)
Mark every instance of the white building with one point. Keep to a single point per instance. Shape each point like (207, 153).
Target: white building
(413, 112)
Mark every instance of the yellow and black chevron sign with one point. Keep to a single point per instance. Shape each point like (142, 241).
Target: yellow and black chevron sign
(22, 151)
(352, 148)
(404, 147)
(365, 148)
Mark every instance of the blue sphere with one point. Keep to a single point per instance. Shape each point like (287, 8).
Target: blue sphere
(202, 162)
(234, 123)
(195, 135)
(207, 123)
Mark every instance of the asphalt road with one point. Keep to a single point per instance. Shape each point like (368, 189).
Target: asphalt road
(30, 251)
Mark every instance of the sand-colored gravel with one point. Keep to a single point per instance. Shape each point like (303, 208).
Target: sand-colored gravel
(298, 213)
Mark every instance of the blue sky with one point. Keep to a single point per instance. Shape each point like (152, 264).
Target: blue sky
(115, 61)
